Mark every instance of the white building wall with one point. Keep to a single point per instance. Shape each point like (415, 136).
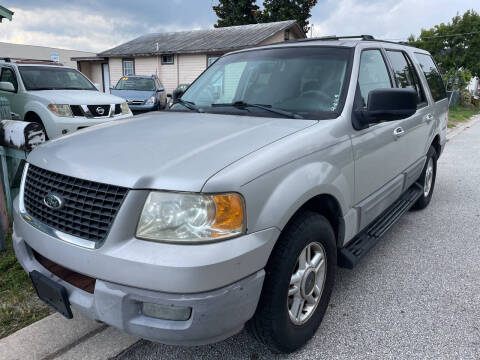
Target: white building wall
(168, 74)
(146, 65)
(191, 65)
(116, 71)
(96, 74)
(41, 53)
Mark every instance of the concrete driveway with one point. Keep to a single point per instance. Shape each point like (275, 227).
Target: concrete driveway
(416, 295)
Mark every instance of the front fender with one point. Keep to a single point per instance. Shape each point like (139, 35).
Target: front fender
(274, 198)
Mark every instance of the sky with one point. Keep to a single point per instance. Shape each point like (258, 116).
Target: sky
(97, 25)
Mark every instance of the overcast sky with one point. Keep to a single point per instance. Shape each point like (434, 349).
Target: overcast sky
(93, 25)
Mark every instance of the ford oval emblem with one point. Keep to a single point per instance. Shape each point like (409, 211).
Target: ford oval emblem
(53, 201)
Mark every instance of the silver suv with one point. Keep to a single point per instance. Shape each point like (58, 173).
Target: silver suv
(277, 165)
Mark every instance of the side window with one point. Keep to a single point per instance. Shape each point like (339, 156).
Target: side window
(9, 76)
(373, 73)
(128, 66)
(405, 74)
(434, 79)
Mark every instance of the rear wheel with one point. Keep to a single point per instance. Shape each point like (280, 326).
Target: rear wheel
(427, 180)
(298, 283)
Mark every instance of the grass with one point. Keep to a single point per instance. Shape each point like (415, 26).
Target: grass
(460, 114)
(19, 305)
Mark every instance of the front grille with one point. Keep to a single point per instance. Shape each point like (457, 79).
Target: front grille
(136, 102)
(77, 110)
(99, 110)
(88, 210)
(118, 109)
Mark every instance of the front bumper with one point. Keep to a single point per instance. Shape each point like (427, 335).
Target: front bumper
(221, 281)
(144, 107)
(216, 315)
(61, 126)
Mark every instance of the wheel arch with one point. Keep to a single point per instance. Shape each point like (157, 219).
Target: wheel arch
(329, 207)
(31, 114)
(436, 144)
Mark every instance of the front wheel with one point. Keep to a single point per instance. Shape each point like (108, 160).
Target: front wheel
(298, 283)
(427, 180)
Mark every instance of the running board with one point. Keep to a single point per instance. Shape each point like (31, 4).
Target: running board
(350, 255)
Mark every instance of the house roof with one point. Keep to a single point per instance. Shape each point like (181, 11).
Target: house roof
(201, 41)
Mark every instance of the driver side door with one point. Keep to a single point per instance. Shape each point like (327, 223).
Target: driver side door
(379, 149)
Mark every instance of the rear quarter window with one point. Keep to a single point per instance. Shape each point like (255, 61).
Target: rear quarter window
(434, 79)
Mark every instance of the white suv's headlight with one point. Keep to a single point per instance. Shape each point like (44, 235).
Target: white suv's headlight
(151, 100)
(61, 110)
(125, 108)
(191, 218)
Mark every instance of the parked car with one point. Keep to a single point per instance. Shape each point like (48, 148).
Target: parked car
(178, 92)
(276, 165)
(143, 93)
(59, 98)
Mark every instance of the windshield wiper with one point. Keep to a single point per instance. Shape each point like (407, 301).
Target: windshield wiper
(188, 104)
(243, 104)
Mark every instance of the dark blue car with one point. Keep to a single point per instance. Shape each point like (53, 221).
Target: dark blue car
(143, 93)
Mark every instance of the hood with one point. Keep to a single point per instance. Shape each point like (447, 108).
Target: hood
(78, 97)
(130, 95)
(169, 150)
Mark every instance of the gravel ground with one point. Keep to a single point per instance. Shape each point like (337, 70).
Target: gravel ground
(416, 295)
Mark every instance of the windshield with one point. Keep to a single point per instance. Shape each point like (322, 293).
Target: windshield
(305, 81)
(131, 83)
(54, 78)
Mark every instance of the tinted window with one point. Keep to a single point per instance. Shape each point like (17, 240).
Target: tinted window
(307, 81)
(373, 73)
(434, 79)
(53, 78)
(132, 83)
(9, 76)
(405, 75)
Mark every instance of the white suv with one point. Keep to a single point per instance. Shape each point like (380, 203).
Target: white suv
(59, 98)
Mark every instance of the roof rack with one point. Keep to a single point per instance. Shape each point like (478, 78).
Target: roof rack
(361, 37)
(335, 37)
(31, 61)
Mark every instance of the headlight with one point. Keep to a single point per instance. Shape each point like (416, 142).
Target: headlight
(61, 110)
(191, 218)
(125, 108)
(150, 100)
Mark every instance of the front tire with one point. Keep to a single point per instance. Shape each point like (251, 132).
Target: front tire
(427, 180)
(299, 279)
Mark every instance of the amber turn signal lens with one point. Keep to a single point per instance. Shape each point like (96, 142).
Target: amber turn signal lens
(229, 212)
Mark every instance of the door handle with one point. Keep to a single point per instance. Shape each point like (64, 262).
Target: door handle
(429, 117)
(398, 132)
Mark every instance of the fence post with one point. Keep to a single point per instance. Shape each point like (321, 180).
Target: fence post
(17, 138)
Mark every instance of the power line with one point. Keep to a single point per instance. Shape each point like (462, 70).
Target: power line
(440, 36)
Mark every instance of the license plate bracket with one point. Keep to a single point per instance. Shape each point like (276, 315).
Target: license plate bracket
(52, 293)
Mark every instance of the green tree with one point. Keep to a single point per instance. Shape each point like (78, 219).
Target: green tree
(454, 45)
(235, 12)
(279, 10)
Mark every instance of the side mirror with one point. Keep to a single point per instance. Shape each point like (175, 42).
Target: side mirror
(177, 93)
(7, 86)
(387, 105)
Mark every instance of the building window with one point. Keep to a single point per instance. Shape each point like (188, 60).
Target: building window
(167, 59)
(211, 59)
(128, 67)
(287, 35)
